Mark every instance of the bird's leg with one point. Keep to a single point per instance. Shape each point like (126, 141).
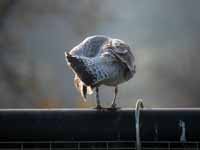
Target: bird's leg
(97, 99)
(114, 100)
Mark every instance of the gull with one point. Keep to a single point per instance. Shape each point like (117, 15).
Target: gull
(100, 60)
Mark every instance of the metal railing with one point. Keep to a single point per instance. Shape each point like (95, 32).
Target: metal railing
(79, 129)
(98, 145)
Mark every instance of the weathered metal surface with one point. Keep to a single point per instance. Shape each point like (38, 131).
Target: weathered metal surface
(106, 125)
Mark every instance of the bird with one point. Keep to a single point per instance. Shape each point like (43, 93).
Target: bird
(100, 60)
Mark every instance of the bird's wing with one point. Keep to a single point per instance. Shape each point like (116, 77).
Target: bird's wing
(91, 71)
(90, 46)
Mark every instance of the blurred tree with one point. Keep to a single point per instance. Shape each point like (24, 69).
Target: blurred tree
(18, 83)
(24, 75)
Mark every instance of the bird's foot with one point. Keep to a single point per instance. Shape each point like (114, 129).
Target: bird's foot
(98, 107)
(113, 107)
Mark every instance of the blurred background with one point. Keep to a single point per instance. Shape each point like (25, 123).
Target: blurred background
(164, 37)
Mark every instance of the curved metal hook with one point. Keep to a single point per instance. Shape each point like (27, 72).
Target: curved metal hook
(139, 105)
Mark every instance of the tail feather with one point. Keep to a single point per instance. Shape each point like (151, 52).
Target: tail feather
(82, 88)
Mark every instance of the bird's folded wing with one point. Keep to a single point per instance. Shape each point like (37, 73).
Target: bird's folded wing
(90, 70)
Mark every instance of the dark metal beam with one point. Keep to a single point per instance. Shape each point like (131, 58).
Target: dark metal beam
(90, 124)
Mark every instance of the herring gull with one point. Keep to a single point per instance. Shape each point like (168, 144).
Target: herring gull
(100, 60)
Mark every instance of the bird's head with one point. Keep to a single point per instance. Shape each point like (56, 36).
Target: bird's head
(118, 45)
(117, 42)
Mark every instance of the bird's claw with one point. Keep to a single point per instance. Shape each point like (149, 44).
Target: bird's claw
(98, 107)
(113, 107)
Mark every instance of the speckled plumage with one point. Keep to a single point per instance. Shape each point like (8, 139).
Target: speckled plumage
(100, 60)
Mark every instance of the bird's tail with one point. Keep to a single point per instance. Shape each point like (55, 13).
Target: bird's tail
(82, 88)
